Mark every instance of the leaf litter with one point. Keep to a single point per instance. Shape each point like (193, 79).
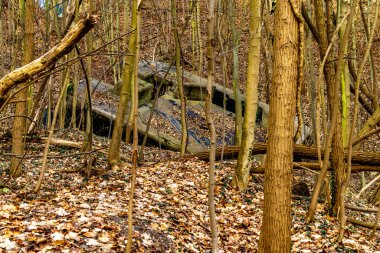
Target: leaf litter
(73, 213)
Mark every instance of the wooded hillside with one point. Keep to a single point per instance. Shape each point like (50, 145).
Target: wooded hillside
(189, 126)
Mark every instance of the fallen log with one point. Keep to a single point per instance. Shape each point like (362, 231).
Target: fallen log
(73, 144)
(361, 209)
(315, 167)
(362, 223)
(31, 70)
(300, 151)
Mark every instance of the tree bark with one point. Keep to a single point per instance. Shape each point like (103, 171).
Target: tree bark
(136, 10)
(275, 231)
(253, 76)
(178, 57)
(316, 167)
(362, 223)
(87, 69)
(210, 124)
(114, 151)
(235, 72)
(334, 140)
(20, 124)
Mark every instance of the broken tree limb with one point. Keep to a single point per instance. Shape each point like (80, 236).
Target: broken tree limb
(73, 144)
(300, 151)
(361, 209)
(365, 136)
(316, 167)
(33, 69)
(362, 223)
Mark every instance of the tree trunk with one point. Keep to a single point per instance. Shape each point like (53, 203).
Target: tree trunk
(253, 75)
(353, 126)
(275, 231)
(210, 123)
(129, 66)
(299, 151)
(20, 124)
(342, 7)
(178, 57)
(87, 143)
(235, 72)
(333, 141)
(135, 9)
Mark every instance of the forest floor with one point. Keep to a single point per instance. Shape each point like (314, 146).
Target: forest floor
(79, 213)
(75, 213)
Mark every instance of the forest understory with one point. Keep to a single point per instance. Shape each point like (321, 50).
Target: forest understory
(75, 212)
(82, 205)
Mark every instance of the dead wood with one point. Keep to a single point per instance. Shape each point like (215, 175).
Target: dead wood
(32, 70)
(64, 143)
(73, 144)
(316, 167)
(362, 223)
(361, 209)
(300, 151)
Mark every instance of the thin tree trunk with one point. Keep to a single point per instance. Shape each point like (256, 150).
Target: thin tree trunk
(210, 124)
(334, 133)
(64, 73)
(310, 63)
(355, 116)
(129, 66)
(87, 143)
(253, 76)
(373, 96)
(345, 80)
(224, 74)
(235, 72)
(73, 122)
(178, 57)
(135, 8)
(47, 145)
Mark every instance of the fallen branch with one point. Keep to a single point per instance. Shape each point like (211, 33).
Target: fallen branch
(33, 69)
(300, 151)
(64, 143)
(361, 209)
(365, 136)
(54, 156)
(367, 186)
(362, 223)
(73, 144)
(315, 167)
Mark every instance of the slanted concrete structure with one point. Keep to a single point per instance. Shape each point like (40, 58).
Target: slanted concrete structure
(167, 135)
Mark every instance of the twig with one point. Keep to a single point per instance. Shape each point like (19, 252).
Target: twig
(367, 186)
(54, 157)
